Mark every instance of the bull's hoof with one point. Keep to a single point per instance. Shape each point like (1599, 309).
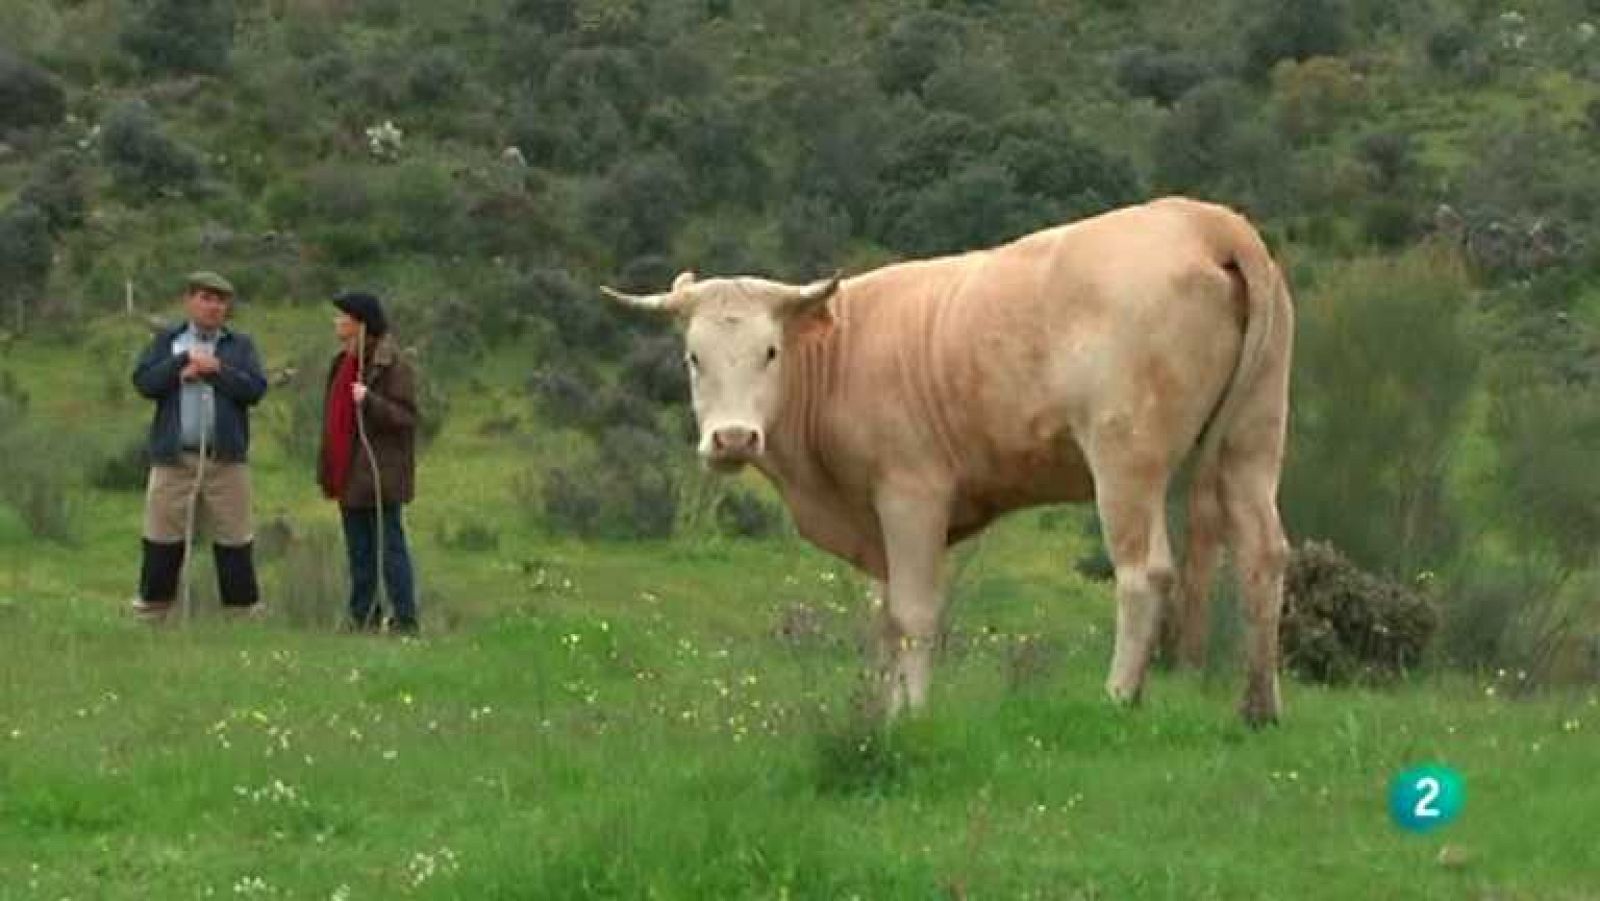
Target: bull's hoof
(1258, 719)
(1261, 706)
(1124, 695)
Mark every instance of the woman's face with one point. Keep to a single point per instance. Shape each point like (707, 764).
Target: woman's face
(346, 327)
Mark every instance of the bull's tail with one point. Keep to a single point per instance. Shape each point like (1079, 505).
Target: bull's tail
(1265, 296)
(1265, 290)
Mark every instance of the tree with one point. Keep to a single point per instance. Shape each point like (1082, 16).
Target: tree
(57, 188)
(30, 97)
(1385, 367)
(916, 46)
(641, 204)
(1293, 30)
(26, 255)
(143, 160)
(180, 36)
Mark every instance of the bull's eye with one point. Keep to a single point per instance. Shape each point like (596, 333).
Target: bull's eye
(772, 353)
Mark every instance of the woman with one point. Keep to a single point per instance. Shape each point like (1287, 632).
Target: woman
(371, 386)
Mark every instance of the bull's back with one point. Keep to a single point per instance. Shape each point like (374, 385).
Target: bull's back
(994, 366)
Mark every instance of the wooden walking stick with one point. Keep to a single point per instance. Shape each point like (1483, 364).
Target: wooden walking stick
(186, 606)
(372, 462)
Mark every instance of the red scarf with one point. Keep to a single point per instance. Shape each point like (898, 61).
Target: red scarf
(339, 429)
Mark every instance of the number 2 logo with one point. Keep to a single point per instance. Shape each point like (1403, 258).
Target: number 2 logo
(1429, 787)
(1425, 798)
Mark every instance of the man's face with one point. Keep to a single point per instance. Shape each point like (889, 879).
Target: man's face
(208, 309)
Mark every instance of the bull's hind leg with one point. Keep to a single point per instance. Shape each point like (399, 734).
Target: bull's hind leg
(1188, 629)
(1130, 496)
(1261, 554)
(915, 531)
(1252, 459)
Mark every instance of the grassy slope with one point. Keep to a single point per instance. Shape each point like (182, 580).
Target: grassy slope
(674, 721)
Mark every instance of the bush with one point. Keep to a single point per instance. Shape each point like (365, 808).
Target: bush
(1160, 74)
(654, 370)
(37, 480)
(628, 491)
(26, 256)
(1386, 365)
(436, 77)
(180, 35)
(126, 469)
(916, 45)
(143, 160)
(57, 189)
(582, 321)
(1293, 30)
(1312, 97)
(743, 514)
(1344, 625)
(640, 205)
(563, 399)
(1210, 145)
(813, 232)
(30, 97)
(309, 585)
(572, 502)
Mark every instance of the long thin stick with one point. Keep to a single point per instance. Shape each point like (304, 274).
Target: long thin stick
(186, 608)
(372, 461)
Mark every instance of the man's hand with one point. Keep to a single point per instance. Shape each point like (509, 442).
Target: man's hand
(358, 391)
(200, 365)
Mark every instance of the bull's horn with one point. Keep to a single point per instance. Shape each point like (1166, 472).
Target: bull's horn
(818, 291)
(669, 301)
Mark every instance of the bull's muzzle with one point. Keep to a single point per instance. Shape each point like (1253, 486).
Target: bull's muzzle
(730, 447)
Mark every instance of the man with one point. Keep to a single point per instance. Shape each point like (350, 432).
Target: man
(369, 429)
(204, 377)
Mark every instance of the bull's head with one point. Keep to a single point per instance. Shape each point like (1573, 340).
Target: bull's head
(736, 333)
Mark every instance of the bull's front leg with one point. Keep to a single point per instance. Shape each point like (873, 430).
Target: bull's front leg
(915, 525)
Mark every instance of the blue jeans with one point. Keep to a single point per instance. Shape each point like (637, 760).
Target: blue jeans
(360, 541)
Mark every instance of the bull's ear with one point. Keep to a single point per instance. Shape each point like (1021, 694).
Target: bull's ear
(807, 312)
(671, 301)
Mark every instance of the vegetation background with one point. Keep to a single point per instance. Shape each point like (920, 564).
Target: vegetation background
(637, 681)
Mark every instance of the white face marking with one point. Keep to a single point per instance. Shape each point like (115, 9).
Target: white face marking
(734, 347)
(734, 337)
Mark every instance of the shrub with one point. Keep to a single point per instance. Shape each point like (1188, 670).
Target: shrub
(437, 76)
(1343, 625)
(1313, 96)
(473, 537)
(743, 514)
(37, 481)
(916, 45)
(180, 35)
(582, 322)
(26, 256)
(57, 189)
(564, 399)
(629, 490)
(1162, 75)
(1293, 30)
(1386, 365)
(572, 502)
(30, 97)
(654, 370)
(640, 204)
(813, 232)
(143, 160)
(308, 584)
(126, 468)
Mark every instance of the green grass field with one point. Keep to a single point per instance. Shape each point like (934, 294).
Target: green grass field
(676, 721)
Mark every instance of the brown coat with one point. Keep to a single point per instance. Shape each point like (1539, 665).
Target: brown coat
(390, 411)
